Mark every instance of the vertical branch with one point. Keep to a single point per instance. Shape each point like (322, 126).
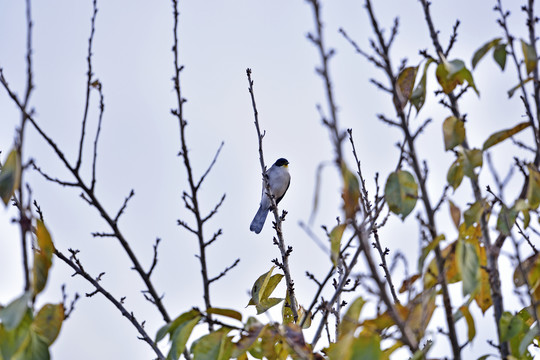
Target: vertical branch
(491, 251)
(191, 200)
(24, 220)
(89, 75)
(324, 72)
(285, 252)
(383, 51)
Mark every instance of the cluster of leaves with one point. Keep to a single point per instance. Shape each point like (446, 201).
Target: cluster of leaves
(26, 334)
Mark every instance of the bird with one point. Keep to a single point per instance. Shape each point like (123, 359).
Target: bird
(279, 180)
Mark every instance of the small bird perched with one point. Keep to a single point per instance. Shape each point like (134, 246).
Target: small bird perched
(279, 180)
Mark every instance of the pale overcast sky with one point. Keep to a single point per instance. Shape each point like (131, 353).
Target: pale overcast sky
(139, 142)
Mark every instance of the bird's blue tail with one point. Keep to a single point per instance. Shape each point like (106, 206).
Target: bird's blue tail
(258, 221)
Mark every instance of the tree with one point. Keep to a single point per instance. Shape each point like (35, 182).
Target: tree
(471, 220)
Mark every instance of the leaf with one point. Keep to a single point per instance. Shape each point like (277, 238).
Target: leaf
(473, 214)
(427, 249)
(499, 55)
(14, 312)
(349, 322)
(453, 131)
(528, 338)
(351, 192)
(471, 329)
(172, 326)
(455, 213)
(401, 192)
(482, 295)
(264, 286)
(10, 176)
(48, 322)
(42, 258)
(471, 159)
(335, 242)
(366, 347)
(405, 84)
(453, 73)
(180, 336)
(509, 326)
(11, 341)
(529, 55)
(455, 174)
(34, 347)
(214, 346)
(533, 189)
(407, 283)
(418, 96)
(247, 340)
(450, 268)
(301, 315)
(518, 86)
(502, 135)
(480, 53)
(469, 266)
(233, 314)
(506, 219)
(266, 304)
(531, 267)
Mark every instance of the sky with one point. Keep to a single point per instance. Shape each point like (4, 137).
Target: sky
(218, 40)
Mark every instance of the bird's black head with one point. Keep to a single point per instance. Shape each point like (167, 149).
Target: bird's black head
(281, 162)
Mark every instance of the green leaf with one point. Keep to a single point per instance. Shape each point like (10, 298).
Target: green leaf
(34, 347)
(233, 314)
(42, 258)
(48, 322)
(12, 314)
(351, 192)
(518, 86)
(180, 337)
(214, 346)
(499, 55)
(529, 55)
(172, 326)
(264, 286)
(533, 189)
(471, 159)
(335, 242)
(480, 53)
(418, 96)
(453, 131)
(528, 338)
(349, 322)
(504, 134)
(453, 73)
(473, 213)
(366, 347)
(510, 326)
(455, 174)
(506, 219)
(266, 304)
(469, 266)
(10, 176)
(401, 192)
(405, 84)
(11, 341)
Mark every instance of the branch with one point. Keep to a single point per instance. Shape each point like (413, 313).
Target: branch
(224, 271)
(74, 263)
(89, 76)
(278, 220)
